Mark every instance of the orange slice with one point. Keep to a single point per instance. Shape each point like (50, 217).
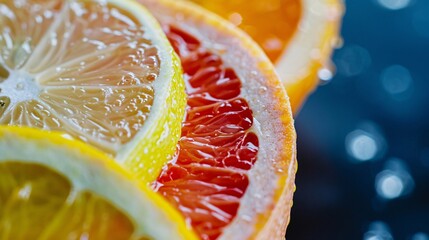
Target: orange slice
(233, 175)
(297, 35)
(52, 187)
(102, 71)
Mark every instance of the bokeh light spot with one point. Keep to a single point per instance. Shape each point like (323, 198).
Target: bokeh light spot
(394, 181)
(378, 231)
(396, 79)
(394, 4)
(362, 145)
(352, 60)
(421, 21)
(389, 185)
(420, 236)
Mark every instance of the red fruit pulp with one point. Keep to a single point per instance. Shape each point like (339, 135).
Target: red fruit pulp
(208, 177)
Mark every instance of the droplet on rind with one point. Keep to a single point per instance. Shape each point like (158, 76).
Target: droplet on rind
(337, 42)
(325, 75)
(263, 90)
(151, 77)
(235, 18)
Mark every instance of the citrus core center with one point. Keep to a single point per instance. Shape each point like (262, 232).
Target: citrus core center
(18, 87)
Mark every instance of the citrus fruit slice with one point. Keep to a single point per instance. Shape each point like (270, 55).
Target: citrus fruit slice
(102, 71)
(52, 187)
(297, 35)
(233, 175)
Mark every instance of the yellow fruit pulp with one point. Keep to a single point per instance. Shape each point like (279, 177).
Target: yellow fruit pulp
(54, 187)
(36, 202)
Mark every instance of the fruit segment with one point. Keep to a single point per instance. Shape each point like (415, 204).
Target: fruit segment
(54, 187)
(208, 177)
(297, 35)
(87, 68)
(34, 195)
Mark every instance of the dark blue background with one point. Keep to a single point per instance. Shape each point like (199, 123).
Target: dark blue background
(336, 195)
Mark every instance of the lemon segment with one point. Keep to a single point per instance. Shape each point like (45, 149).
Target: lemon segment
(52, 187)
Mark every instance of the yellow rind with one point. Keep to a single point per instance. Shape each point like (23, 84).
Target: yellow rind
(159, 144)
(156, 142)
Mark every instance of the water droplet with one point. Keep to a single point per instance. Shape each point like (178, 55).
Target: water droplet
(246, 218)
(236, 18)
(337, 43)
(325, 75)
(67, 136)
(263, 90)
(151, 77)
(272, 44)
(378, 231)
(394, 4)
(25, 191)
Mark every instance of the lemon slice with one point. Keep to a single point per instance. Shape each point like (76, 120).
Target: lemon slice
(52, 187)
(101, 71)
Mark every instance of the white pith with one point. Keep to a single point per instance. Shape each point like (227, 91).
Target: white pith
(19, 87)
(305, 46)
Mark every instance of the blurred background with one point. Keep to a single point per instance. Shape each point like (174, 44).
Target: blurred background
(363, 146)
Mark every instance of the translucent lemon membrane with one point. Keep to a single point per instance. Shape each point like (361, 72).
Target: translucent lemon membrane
(83, 67)
(38, 203)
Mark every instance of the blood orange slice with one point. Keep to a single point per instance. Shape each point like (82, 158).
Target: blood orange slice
(233, 176)
(297, 35)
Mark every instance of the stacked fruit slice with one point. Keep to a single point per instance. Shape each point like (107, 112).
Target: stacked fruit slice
(297, 35)
(104, 72)
(55, 188)
(236, 157)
